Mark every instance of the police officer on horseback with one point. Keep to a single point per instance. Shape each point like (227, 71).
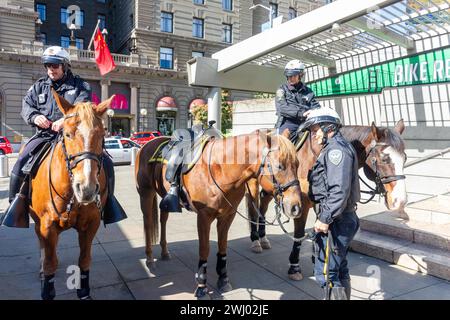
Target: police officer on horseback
(39, 109)
(293, 100)
(334, 186)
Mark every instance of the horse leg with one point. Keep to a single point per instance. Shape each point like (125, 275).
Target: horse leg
(264, 205)
(49, 238)
(41, 250)
(295, 272)
(223, 225)
(85, 239)
(252, 198)
(150, 213)
(165, 254)
(203, 229)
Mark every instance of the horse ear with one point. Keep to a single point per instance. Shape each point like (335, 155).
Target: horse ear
(62, 103)
(400, 126)
(103, 106)
(374, 131)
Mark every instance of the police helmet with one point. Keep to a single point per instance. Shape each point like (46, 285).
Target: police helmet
(324, 117)
(56, 54)
(293, 68)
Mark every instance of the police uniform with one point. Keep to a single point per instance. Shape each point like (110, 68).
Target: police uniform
(334, 185)
(40, 101)
(291, 102)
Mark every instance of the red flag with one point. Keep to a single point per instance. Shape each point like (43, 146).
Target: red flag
(103, 56)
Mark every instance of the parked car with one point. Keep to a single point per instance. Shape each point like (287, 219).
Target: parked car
(5, 146)
(144, 137)
(120, 149)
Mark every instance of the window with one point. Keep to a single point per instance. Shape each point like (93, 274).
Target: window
(274, 8)
(197, 28)
(43, 38)
(102, 19)
(101, 1)
(166, 58)
(227, 33)
(292, 14)
(199, 1)
(65, 41)
(197, 54)
(79, 43)
(227, 5)
(126, 144)
(112, 144)
(42, 10)
(166, 22)
(79, 17)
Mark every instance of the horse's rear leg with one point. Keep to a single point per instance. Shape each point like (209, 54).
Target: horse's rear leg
(49, 238)
(85, 239)
(165, 254)
(223, 225)
(295, 272)
(41, 250)
(150, 212)
(203, 228)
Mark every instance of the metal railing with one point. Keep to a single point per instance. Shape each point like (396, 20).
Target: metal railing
(427, 157)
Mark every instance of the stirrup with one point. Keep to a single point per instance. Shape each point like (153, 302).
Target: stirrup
(113, 211)
(17, 216)
(171, 202)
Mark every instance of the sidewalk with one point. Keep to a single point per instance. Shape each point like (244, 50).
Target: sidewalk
(118, 268)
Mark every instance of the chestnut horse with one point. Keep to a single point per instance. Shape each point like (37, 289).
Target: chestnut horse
(215, 186)
(381, 152)
(69, 190)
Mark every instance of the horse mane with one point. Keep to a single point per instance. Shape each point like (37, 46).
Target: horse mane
(86, 114)
(361, 133)
(287, 150)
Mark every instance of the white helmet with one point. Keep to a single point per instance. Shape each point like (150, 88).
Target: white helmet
(293, 68)
(323, 115)
(56, 54)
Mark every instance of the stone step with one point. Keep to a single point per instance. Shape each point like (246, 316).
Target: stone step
(424, 259)
(419, 232)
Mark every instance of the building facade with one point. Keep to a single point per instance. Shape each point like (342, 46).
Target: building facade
(151, 41)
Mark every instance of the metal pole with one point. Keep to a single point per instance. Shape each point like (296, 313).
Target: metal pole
(270, 17)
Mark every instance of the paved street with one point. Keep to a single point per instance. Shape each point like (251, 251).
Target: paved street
(119, 272)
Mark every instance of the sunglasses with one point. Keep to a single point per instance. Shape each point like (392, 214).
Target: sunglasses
(52, 65)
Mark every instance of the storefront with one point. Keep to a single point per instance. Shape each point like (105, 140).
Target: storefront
(166, 115)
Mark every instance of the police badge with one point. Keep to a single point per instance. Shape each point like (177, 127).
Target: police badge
(335, 156)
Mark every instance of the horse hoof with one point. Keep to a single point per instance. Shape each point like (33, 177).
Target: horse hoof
(265, 243)
(224, 285)
(166, 256)
(200, 292)
(150, 263)
(296, 276)
(256, 247)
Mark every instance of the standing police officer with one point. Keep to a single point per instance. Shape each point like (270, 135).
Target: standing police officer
(293, 99)
(39, 109)
(334, 186)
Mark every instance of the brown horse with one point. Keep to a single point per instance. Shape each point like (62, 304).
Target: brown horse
(69, 190)
(381, 152)
(215, 186)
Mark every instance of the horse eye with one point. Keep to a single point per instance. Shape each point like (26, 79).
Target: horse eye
(280, 167)
(67, 135)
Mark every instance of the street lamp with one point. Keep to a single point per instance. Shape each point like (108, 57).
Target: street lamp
(143, 113)
(72, 29)
(110, 114)
(264, 7)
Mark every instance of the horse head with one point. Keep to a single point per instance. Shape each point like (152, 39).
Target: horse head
(385, 162)
(82, 144)
(279, 173)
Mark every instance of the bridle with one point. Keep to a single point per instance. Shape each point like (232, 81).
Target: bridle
(378, 179)
(279, 189)
(71, 162)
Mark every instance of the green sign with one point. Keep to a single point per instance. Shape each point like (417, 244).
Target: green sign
(424, 68)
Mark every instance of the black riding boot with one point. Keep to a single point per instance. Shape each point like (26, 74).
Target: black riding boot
(113, 211)
(17, 216)
(346, 283)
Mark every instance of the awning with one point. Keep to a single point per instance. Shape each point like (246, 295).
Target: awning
(196, 102)
(166, 104)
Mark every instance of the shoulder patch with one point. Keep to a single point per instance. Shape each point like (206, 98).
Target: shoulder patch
(280, 93)
(335, 156)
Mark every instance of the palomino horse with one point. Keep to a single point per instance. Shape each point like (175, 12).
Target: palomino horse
(69, 190)
(381, 152)
(215, 186)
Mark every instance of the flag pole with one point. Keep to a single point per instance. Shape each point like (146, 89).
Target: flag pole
(93, 35)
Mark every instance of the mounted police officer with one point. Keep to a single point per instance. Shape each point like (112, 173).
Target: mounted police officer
(334, 186)
(293, 100)
(39, 109)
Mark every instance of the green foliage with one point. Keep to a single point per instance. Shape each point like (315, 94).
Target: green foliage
(262, 95)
